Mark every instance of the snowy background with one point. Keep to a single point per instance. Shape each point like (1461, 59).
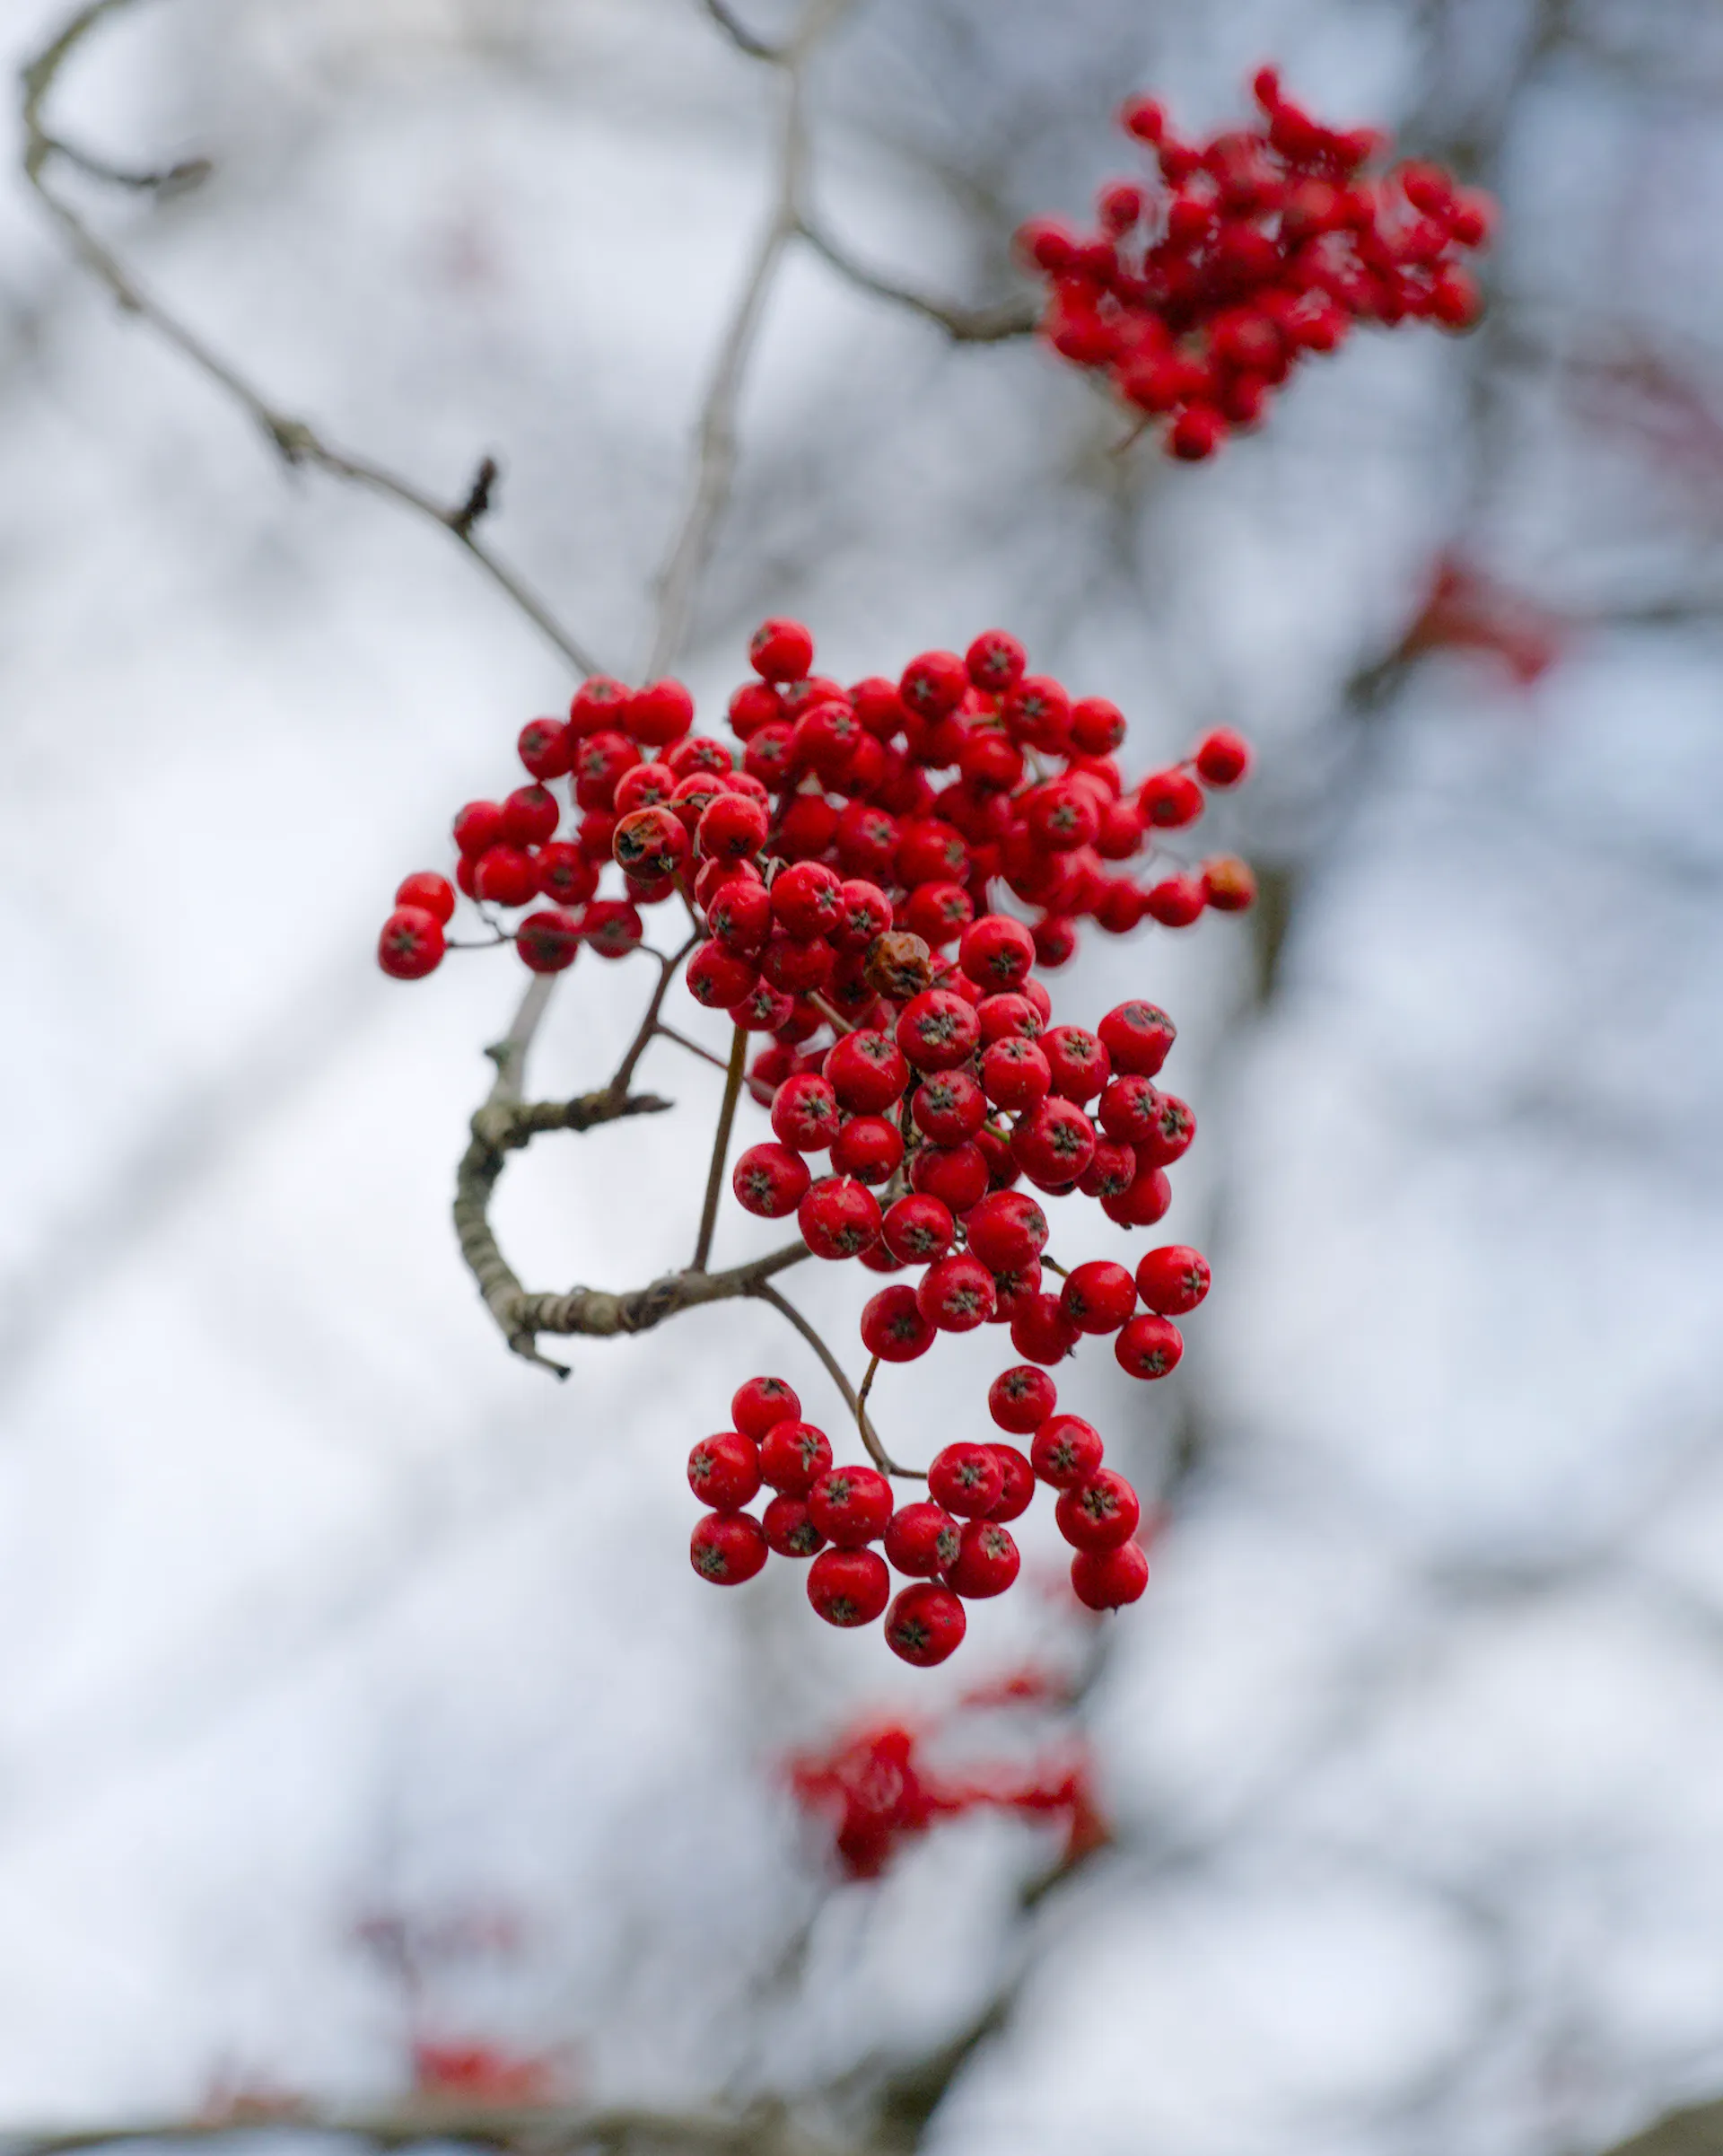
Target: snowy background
(316, 1607)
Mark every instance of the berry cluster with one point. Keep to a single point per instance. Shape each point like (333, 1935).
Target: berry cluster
(1267, 245)
(879, 1790)
(964, 774)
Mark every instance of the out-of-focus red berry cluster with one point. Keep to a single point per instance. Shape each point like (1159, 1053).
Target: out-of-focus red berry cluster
(964, 774)
(877, 1788)
(1263, 245)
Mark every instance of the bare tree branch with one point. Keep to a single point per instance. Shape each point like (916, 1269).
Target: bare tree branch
(964, 325)
(294, 440)
(739, 35)
(870, 1438)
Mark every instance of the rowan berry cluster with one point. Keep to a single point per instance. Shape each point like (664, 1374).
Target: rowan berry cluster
(1263, 245)
(963, 774)
(877, 1789)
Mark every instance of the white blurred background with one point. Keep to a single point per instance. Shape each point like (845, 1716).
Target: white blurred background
(320, 1612)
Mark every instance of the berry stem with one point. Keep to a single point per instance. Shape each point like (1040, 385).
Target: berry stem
(721, 1146)
(650, 1023)
(877, 1452)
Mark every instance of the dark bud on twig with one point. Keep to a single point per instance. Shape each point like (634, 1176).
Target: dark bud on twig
(478, 498)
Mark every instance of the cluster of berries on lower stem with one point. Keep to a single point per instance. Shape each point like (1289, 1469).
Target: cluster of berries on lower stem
(1261, 247)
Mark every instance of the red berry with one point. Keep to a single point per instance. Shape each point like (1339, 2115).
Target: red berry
(1096, 726)
(724, 1470)
(849, 1587)
(781, 651)
(996, 953)
(966, 1479)
(957, 1294)
(1144, 1202)
(987, 1561)
(1196, 433)
(529, 815)
(764, 1010)
(1137, 1036)
(644, 786)
(726, 1548)
(1099, 1296)
(478, 827)
(851, 1505)
(717, 978)
(596, 705)
(956, 1175)
(411, 943)
(918, 1228)
(1006, 1230)
(1128, 1110)
(1099, 1512)
(1062, 816)
(949, 1107)
(1171, 1128)
(661, 713)
(734, 827)
(1173, 1279)
(994, 662)
(792, 1455)
(1014, 1073)
(1109, 1579)
(650, 843)
(565, 874)
(934, 684)
(1041, 1331)
(938, 1031)
(1228, 884)
(866, 1072)
(546, 747)
(805, 1113)
(1053, 1143)
(756, 1406)
(790, 1529)
(1008, 1017)
(1019, 1490)
(741, 917)
(506, 875)
(1111, 1171)
(613, 927)
(921, 1540)
(1149, 1346)
(893, 1326)
(1065, 1452)
(770, 1182)
(806, 898)
(1038, 712)
(549, 942)
(1077, 1062)
(1170, 800)
(1175, 901)
(431, 893)
(868, 1148)
(838, 1218)
(1021, 1398)
(925, 1624)
(1222, 758)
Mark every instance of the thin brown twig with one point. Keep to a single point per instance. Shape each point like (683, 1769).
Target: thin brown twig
(733, 1072)
(871, 1437)
(649, 1024)
(294, 440)
(739, 35)
(993, 325)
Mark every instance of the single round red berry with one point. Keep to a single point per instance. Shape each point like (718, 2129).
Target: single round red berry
(925, 1624)
(918, 1228)
(1052, 1143)
(987, 1561)
(933, 684)
(1077, 1062)
(717, 977)
(770, 1182)
(565, 874)
(1098, 1297)
(597, 705)
(781, 651)
(1228, 884)
(659, 714)
(1065, 1451)
(1015, 1073)
(921, 1540)
(546, 747)
(839, 1218)
(789, 1528)
(957, 1294)
(1021, 1398)
(741, 917)
(1096, 726)
(1171, 1128)
(793, 1454)
(505, 875)
(956, 1175)
(726, 1548)
(1008, 1017)
(549, 942)
(1170, 800)
(1111, 1171)
(613, 927)
(1175, 901)
(806, 898)
(938, 1031)
(1173, 1279)
(724, 1470)
(1109, 1579)
(760, 1404)
(411, 943)
(478, 827)
(994, 662)
(967, 1479)
(849, 1587)
(530, 815)
(1145, 1202)
(1149, 1346)
(893, 1326)
(866, 1072)
(434, 894)
(868, 1148)
(732, 827)
(1099, 1514)
(851, 1505)
(1006, 1230)
(949, 1107)
(1222, 758)
(1019, 1490)
(1137, 1036)
(805, 1113)
(1041, 1331)
(997, 953)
